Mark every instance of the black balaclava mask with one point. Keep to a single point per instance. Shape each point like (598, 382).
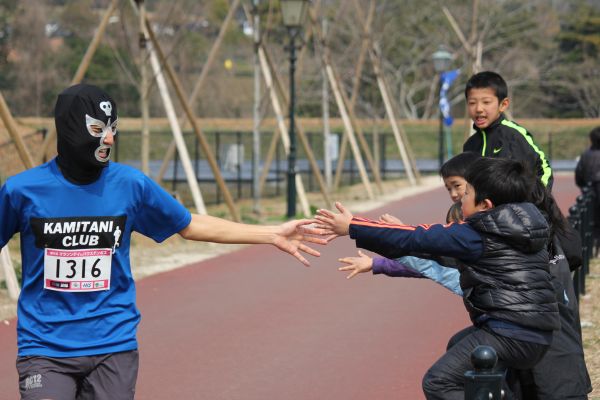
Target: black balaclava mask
(84, 114)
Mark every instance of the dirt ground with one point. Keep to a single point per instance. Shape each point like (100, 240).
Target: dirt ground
(148, 258)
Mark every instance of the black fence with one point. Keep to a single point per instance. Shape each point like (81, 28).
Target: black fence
(581, 217)
(233, 153)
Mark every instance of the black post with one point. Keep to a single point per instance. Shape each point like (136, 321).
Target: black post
(291, 174)
(580, 201)
(277, 167)
(441, 133)
(575, 222)
(588, 222)
(484, 382)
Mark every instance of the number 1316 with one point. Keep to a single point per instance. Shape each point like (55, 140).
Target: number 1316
(72, 267)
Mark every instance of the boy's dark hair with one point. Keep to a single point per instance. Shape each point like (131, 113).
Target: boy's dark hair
(546, 203)
(501, 180)
(488, 79)
(454, 213)
(458, 165)
(595, 138)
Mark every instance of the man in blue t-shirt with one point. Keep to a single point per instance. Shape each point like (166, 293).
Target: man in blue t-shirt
(77, 317)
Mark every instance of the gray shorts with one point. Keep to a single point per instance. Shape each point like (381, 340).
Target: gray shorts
(102, 377)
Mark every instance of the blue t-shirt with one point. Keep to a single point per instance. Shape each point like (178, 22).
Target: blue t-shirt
(78, 293)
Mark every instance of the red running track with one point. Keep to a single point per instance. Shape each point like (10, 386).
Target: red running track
(256, 325)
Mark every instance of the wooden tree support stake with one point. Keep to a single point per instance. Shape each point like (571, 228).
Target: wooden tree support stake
(283, 131)
(11, 126)
(194, 123)
(177, 134)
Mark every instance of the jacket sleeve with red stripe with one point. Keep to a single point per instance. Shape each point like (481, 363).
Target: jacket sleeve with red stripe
(458, 240)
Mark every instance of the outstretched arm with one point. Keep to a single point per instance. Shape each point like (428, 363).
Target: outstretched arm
(378, 265)
(403, 267)
(393, 241)
(448, 277)
(336, 224)
(356, 265)
(290, 237)
(390, 219)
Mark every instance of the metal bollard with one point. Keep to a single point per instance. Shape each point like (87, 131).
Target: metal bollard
(578, 276)
(588, 194)
(484, 382)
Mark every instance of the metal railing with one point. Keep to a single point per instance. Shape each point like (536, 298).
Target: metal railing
(581, 217)
(232, 151)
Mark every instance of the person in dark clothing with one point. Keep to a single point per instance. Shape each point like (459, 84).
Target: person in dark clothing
(562, 372)
(587, 173)
(588, 166)
(503, 264)
(495, 136)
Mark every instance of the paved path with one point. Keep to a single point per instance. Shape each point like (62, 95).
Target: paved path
(254, 324)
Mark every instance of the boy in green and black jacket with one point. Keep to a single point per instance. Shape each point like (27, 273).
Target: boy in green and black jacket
(496, 136)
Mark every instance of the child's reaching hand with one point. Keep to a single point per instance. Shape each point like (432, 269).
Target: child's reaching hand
(336, 224)
(390, 219)
(357, 265)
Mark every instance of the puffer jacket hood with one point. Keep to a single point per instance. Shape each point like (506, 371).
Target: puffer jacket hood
(521, 225)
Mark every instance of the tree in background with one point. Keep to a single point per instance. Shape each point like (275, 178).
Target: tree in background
(514, 37)
(574, 86)
(7, 11)
(30, 58)
(547, 51)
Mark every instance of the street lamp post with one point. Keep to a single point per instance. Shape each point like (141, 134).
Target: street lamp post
(441, 62)
(293, 13)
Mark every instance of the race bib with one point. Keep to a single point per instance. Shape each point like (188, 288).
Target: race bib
(78, 251)
(83, 270)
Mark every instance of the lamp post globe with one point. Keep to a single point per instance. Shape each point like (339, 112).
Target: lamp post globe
(442, 59)
(293, 12)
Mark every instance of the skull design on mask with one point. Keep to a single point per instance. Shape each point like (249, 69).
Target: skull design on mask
(106, 107)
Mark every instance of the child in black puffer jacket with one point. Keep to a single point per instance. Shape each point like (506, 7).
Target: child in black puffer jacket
(503, 253)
